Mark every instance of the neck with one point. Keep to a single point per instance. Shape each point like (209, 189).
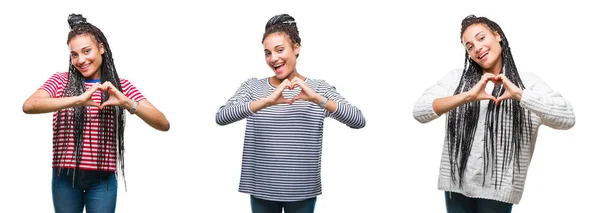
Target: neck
(275, 81)
(495, 69)
(96, 75)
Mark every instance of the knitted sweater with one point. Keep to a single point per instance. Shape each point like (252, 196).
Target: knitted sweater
(282, 145)
(547, 107)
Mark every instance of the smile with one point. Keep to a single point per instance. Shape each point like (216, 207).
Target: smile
(484, 54)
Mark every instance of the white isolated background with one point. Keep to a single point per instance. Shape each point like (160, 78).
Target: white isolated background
(189, 58)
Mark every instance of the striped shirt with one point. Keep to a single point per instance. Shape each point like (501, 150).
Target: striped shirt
(547, 107)
(89, 160)
(282, 145)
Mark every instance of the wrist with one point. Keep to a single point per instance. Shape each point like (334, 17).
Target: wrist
(131, 106)
(322, 101)
(318, 99)
(128, 104)
(266, 102)
(467, 97)
(519, 95)
(78, 101)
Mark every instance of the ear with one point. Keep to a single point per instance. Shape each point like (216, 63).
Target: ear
(101, 47)
(497, 36)
(296, 49)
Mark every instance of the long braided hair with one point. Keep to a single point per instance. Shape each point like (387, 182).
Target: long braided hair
(507, 125)
(111, 119)
(283, 23)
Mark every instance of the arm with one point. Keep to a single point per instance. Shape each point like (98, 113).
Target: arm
(554, 110)
(42, 102)
(145, 110)
(149, 114)
(439, 99)
(239, 106)
(424, 111)
(337, 107)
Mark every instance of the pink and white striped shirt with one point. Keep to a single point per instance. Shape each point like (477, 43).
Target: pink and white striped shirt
(89, 161)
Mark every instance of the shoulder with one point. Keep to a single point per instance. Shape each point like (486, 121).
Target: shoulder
(453, 75)
(62, 76)
(253, 82)
(58, 78)
(529, 78)
(318, 83)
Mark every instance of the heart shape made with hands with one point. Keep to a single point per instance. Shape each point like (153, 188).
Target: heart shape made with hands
(490, 84)
(291, 92)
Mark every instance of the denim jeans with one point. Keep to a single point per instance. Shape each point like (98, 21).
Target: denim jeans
(266, 206)
(458, 203)
(97, 193)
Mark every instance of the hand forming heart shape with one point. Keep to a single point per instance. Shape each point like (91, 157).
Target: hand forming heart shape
(306, 93)
(116, 98)
(479, 90)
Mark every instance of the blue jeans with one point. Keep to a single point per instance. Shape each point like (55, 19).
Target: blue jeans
(97, 194)
(458, 203)
(266, 206)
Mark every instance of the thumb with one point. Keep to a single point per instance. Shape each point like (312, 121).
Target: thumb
(502, 97)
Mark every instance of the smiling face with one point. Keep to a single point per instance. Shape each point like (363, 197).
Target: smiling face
(483, 47)
(86, 55)
(281, 54)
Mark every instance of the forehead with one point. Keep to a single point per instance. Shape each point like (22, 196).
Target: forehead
(81, 41)
(277, 38)
(473, 30)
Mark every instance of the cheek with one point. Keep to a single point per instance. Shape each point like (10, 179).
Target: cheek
(97, 58)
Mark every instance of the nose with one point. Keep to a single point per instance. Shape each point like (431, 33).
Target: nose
(80, 60)
(274, 58)
(478, 47)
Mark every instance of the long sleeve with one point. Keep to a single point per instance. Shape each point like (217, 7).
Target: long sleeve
(554, 110)
(423, 110)
(237, 107)
(345, 112)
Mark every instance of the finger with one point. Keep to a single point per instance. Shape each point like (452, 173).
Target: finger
(504, 96)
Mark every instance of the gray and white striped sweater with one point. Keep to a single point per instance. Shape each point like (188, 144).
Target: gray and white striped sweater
(547, 108)
(282, 144)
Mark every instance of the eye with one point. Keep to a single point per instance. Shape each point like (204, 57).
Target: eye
(73, 55)
(267, 53)
(481, 38)
(87, 51)
(280, 50)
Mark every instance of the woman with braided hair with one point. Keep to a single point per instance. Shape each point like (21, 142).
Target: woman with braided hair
(493, 116)
(89, 103)
(281, 162)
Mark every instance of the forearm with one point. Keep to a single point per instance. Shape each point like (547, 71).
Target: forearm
(330, 106)
(259, 104)
(231, 113)
(443, 105)
(150, 115)
(554, 110)
(37, 105)
(344, 113)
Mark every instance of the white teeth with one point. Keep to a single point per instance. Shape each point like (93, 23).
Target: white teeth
(277, 66)
(85, 66)
(484, 54)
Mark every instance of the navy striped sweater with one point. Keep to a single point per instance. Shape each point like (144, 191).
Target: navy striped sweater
(282, 145)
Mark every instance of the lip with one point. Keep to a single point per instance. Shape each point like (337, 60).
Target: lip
(484, 55)
(85, 67)
(278, 68)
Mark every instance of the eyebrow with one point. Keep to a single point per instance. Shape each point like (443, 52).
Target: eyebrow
(275, 47)
(474, 36)
(82, 48)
